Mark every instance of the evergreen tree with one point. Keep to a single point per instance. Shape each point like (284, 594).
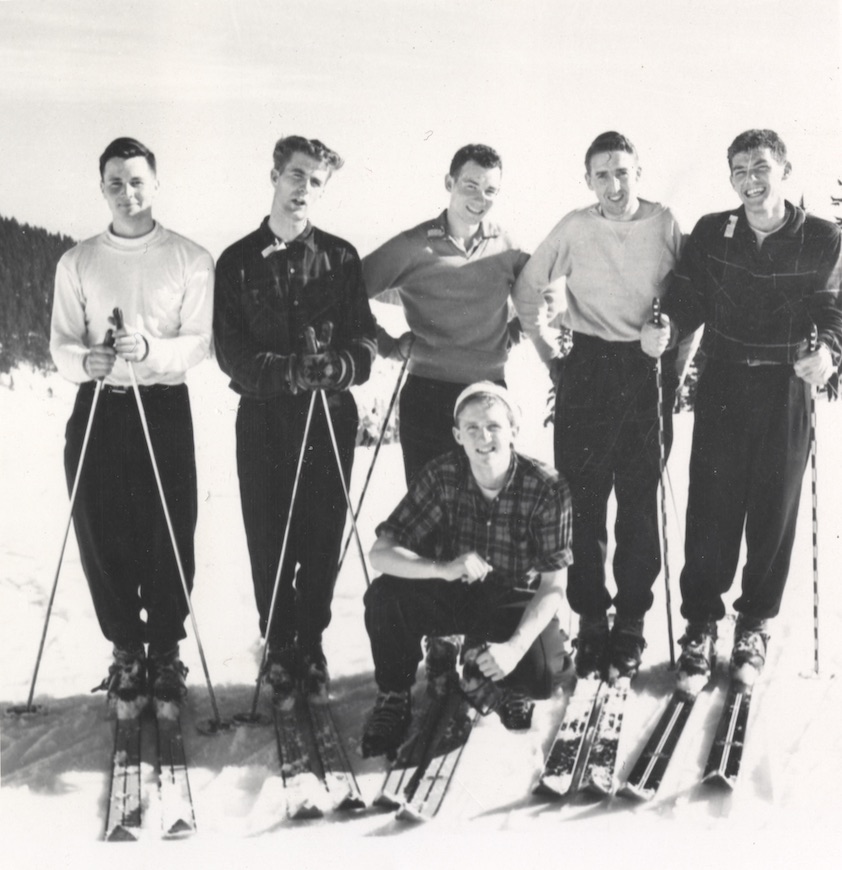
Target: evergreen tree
(28, 258)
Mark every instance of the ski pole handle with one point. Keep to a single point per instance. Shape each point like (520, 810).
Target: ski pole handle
(310, 340)
(656, 311)
(814, 338)
(327, 334)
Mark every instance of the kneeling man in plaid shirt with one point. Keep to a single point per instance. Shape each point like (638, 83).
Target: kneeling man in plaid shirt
(478, 546)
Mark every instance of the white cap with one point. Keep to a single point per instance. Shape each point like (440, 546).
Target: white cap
(490, 388)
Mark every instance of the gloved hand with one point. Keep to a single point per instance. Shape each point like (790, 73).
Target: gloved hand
(319, 371)
(320, 368)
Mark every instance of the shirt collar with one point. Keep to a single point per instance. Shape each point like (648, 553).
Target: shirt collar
(437, 228)
(268, 239)
(791, 226)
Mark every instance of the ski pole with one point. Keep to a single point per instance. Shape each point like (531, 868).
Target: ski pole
(814, 344)
(377, 447)
(314, 347)
(28, 707)
(344, 486)
(217, 724)
(662, 451)
(251, 716)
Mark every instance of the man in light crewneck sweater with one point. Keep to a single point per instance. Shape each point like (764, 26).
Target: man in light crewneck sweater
(601, 267)
(163, 284)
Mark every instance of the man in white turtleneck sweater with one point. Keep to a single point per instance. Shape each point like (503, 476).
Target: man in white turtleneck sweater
(599, 270)
(163, 285)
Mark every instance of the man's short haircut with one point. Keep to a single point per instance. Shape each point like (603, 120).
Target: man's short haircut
(483, 155)
(126, 147)
(609, 141)
(286, 146)
(752, 140)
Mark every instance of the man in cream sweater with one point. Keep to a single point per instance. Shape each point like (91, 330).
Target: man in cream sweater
(599, 271)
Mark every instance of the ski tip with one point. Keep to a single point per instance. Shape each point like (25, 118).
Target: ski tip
(305, 811)
(545, 789)
(407, 813)
(635, 792)
(387, 801)
(599, 790)
(121, 834)
(181, 828)
(350, 803)
(716, 779)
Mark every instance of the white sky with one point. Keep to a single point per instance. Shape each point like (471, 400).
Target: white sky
(396, 86)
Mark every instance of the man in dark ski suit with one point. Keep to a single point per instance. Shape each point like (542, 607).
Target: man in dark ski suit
(760, 278)
(279, 288)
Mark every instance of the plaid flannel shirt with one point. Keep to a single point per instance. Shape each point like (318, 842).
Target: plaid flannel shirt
(524, 530)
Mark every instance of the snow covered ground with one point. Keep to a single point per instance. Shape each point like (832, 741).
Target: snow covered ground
(54, 784)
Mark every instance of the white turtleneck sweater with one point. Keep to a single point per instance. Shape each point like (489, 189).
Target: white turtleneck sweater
(162, 282)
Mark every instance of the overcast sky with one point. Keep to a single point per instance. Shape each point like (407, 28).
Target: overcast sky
(396, 86)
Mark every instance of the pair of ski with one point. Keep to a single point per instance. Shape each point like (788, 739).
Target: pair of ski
(318, 777)
(125, 800)
(583, 755)
(418, 780)
(724, 759)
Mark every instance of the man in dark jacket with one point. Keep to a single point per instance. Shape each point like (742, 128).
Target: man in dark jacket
(281, 288)
(761, 279)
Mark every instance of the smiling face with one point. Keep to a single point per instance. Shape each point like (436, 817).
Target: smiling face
(472, 192)
(129, 186)
(486, 432)
(758, 178)
(298, 186)
(613, 176)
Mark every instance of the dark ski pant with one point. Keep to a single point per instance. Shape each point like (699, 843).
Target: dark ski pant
(400, 612)
(269, 436)
(426, 420)
(751, 442)
(124, 544)
(606, 436)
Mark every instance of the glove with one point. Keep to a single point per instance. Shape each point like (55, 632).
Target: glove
(319, 371)
(482, 693)
(320, 368)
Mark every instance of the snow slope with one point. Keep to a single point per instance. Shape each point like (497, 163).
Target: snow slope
(54, 784)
